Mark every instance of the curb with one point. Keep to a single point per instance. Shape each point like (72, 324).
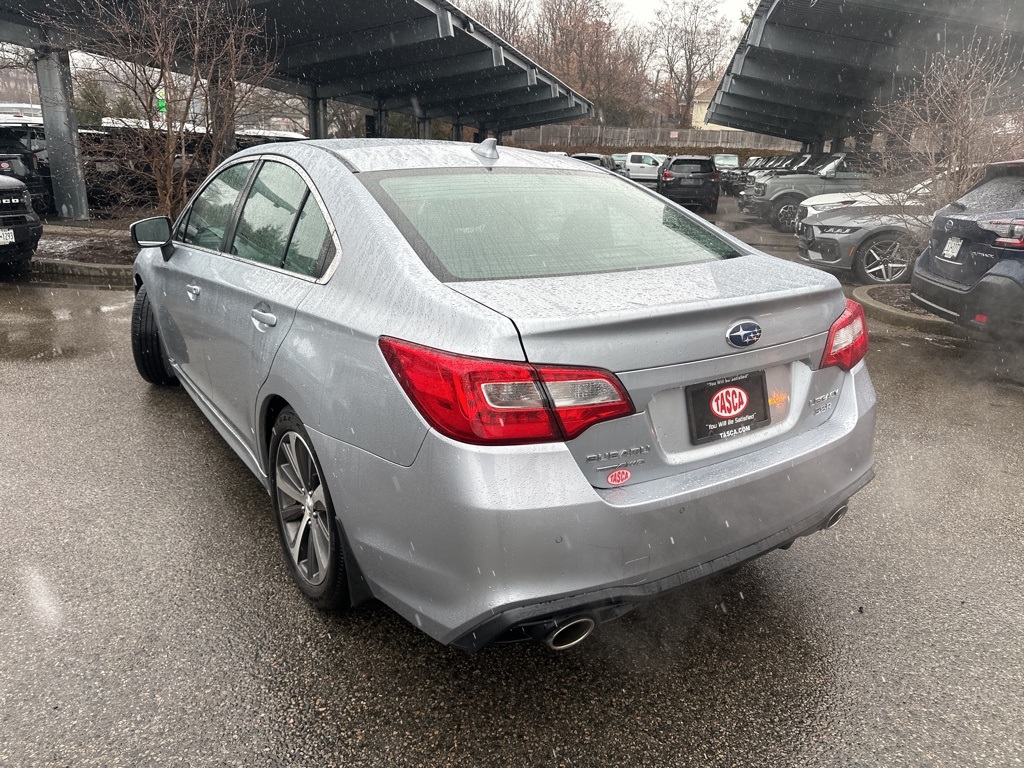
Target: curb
(876, 310)
(119, 274)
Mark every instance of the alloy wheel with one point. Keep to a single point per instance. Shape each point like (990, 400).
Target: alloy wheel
(886, 261)
(302, 507)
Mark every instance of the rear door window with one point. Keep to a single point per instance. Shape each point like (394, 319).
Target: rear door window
(269, 215)
(311, 247)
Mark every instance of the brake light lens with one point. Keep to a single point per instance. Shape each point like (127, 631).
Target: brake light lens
(716, 176)
(847, 338)
(667, 175)
(1010, 233)
(498, 402)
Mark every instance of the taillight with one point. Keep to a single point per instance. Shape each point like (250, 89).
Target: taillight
(847, 338)
(503, 402)
(667, 175)
(1010, 233)
(715, 176)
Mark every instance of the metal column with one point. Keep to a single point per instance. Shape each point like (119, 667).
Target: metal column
(422, 128)
(317, 117)
(53, 73)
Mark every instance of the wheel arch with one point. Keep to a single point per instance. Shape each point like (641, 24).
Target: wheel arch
(790, 192)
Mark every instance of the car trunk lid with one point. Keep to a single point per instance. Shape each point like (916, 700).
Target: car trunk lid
(663, 332)
(625, 321)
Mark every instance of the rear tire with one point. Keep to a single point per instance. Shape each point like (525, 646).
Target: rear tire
(309, 531)
(885, 259)
(147, 348)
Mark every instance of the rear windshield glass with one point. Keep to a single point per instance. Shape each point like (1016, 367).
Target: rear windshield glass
(1003, 193)
(499, 225)
(692, 166)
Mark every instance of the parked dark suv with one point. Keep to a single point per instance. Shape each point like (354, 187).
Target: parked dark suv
(17, 160)
(20, 229)
(972, 271)
(690, 180)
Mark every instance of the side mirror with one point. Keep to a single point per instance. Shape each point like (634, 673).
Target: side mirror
(828, 173)
(153, 233)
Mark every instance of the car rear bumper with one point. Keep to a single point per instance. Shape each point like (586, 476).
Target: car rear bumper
(26, 237)
(705, 193)
(998, 297)
(469, 543)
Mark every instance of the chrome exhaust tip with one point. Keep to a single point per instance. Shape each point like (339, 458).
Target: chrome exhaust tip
(573, 633)
(838, 514)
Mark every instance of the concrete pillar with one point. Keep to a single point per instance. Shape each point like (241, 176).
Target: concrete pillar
(423, 127)
(457, 130)
(53, 74)
(838, 143)
(317, 114)
(498, 136)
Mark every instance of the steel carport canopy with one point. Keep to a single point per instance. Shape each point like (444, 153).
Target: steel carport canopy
(811, 70)
(425, 58)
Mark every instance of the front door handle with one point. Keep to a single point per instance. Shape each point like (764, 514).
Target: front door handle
(193, 291)
(266, 318)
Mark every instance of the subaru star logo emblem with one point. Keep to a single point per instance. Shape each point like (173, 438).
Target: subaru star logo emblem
(743, 334)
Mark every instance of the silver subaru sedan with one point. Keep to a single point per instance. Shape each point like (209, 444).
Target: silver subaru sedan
(507, 394)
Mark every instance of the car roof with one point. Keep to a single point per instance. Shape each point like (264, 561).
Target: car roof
(691, 157)
(365, 155)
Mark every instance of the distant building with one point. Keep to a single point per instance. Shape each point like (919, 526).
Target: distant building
(701, 104)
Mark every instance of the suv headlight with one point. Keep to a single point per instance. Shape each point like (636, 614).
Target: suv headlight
(28, 200)
(838, 230)
(760, 189)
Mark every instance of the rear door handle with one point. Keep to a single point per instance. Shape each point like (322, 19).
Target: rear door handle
(266, 318)
(193, 291)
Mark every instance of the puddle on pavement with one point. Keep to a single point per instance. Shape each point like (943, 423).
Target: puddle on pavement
(40, 322)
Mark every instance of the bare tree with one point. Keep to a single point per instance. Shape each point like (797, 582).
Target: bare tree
(512, 19)
(694, 38)
(186, 66)
(960, 112)
(14, 57)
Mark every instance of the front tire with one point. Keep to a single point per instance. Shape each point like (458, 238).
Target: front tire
(309, 532)
(784, 213)
(884, 259)
(147, 348)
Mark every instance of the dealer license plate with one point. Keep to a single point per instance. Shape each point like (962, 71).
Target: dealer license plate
(727, 407)
(952, 249)
(6, 236)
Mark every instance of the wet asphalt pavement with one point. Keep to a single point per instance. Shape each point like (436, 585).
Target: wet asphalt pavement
(148, 618)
